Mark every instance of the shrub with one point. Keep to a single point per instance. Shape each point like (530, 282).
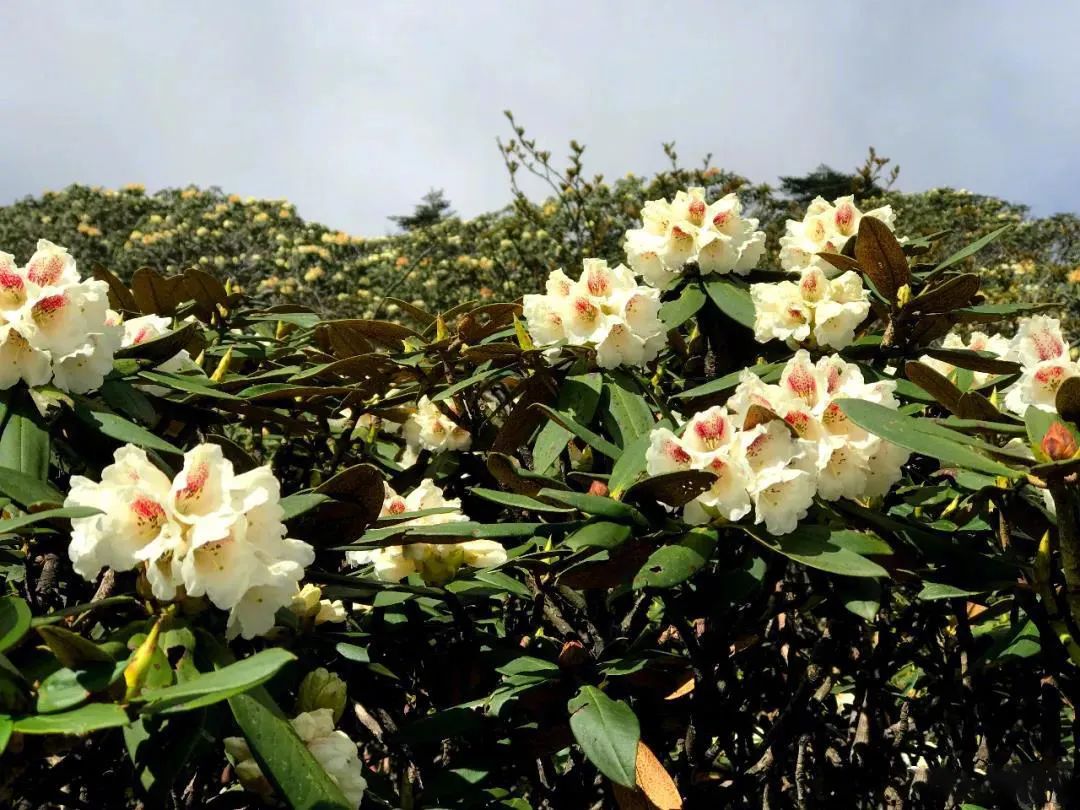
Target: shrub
(597, 548)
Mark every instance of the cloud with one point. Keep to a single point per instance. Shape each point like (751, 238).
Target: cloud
(353, 110)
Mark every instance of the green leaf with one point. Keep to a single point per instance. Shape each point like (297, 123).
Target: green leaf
(14, 620)
(27, 490)
(202, 386)
(578, 398)
(672, 565)
(116, 427)
(677, 312)
(221, 684)
(282, 755)
(11, 525)
(837, 552)
(630, 465)
(591, 438)
(6, 727)
(769, 372)
(733, 299)
(70, 687)
(598, 534)
(862, 597)
(352, 652)
(971, 249)
(301, 502)
(627, 414)
(91, 717)
(932, 591)
(608, 732)
(516, 501)
(595, 505)
(24, 438)
(922, 436)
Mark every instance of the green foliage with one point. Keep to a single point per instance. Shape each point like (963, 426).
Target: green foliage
(918, 643)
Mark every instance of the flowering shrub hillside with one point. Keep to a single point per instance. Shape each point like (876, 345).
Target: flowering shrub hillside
(278, 257)
(680, 527)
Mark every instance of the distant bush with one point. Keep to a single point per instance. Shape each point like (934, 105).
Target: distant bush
(277, 256)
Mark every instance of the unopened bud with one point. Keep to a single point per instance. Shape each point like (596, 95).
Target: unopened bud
(322, 689)
(598, 488)
(1059, 444)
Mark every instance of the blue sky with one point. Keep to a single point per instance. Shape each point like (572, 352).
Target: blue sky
(353, 109)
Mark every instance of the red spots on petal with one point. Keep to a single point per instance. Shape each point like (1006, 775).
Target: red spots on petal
(833, 415)
(45, 310)
(1050, 378)
(679, 233)
(721, 219)
(802, 383)
(148, 512)
(799, 421)
(697, 211)
(196, 481)
(585, 309)
(676, 453)
(396, 506)
(845, 218)
(1047, 345)
(142, 335)
(833, 381)
(711, 429)
(46, 271)
(598, 282)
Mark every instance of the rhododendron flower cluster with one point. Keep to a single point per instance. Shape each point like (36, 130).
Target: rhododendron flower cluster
(687, 230)
(605, 309)
(332, 748)
(1045, 361)
(54, 326)
(436, 563)
(775, 467)
(828, 311)
(825, 228)
(206, 532)
(432, 430)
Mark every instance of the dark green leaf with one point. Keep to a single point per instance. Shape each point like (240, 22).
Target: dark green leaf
(282, 755)
(733, 299)
(14, 620)
(672, 565)
(221, 684)
(608, 732)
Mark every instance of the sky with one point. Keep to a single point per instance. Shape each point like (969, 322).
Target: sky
(352, 110)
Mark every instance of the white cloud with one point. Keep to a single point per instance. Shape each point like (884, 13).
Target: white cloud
(353, 110)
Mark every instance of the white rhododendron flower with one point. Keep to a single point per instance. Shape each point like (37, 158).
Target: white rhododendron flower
(687, 230)
(436, 563)
(431, 429)
(825, 228)
(775, 468)
(54, 326)
(332, 748)
(994, 344)
(763, 469)
(829, 311)
(605, 309)
(848, 461)
(1046, 362)
(206, 532)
